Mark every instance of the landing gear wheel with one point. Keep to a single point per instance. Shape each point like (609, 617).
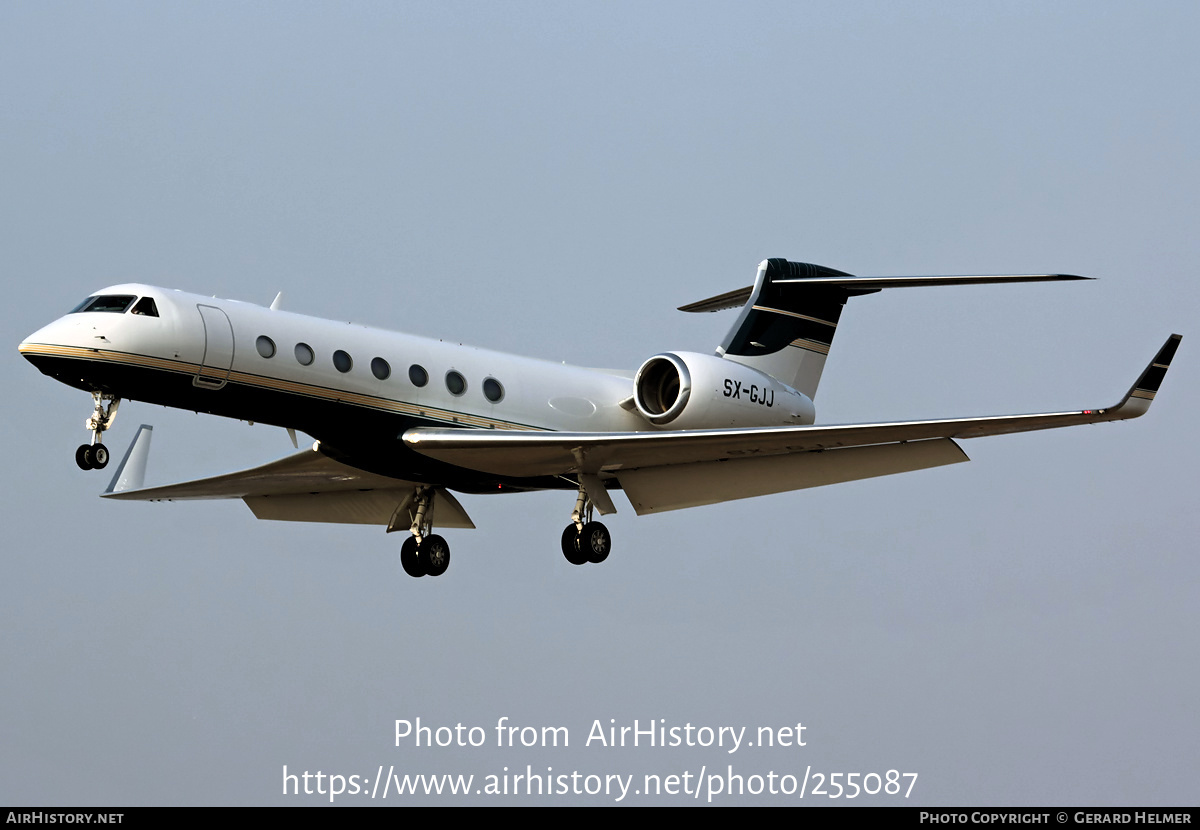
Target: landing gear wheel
(409, 560)
(94, 456)
(570, 546)
(595, 542)
(434, 554)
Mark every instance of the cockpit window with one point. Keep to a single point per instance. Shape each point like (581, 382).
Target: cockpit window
(115, 303)
(146, 307)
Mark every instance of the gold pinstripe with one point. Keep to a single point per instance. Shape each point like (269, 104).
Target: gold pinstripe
(795, 314)
(277, 384)
(810, 345)
(1142, 393)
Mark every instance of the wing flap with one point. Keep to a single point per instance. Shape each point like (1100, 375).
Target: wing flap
(368, 507)
(656, 489)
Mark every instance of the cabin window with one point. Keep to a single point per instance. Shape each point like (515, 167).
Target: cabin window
(114, 303)
(492, 390)
(456, 383)
(342, 361)
(145, 307)
(380, 368)
(418, 375)
(264, 344)
(304, 354)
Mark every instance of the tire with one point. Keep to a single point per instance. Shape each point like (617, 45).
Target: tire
(83, 456)
(570, 546)
(99, 457)
(434, 553)
(409, 559)
(595, 543)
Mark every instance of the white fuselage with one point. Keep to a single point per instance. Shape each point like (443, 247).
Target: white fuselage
(190, 337)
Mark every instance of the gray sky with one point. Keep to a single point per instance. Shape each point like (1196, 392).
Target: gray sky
(554, 179)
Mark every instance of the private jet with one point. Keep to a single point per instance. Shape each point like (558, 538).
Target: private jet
(401, 423)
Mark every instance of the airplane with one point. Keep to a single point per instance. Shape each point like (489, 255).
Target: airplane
(402, 421)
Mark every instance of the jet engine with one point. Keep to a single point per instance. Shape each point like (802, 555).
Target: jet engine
(686, 390)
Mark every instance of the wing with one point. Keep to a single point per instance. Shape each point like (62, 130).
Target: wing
(667, 470)
(306, 486)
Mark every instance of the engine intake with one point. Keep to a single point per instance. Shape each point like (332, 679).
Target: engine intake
(684, 390)
(662, 388)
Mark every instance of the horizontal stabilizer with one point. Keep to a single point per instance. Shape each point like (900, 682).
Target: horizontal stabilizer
(790, 315)
(738, 298)
(935, 279)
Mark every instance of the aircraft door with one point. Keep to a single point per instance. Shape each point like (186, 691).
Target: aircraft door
(218, 348)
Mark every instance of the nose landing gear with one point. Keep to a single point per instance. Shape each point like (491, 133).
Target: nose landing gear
(94, 456)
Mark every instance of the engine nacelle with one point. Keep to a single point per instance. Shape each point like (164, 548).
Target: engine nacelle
(685, 390)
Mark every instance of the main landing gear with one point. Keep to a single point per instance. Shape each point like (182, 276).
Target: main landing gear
(424, 553)
(94, 456)
(585, 540)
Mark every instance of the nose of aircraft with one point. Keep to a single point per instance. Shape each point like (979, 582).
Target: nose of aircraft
(61, 332)
(65, 350)
(66, 337)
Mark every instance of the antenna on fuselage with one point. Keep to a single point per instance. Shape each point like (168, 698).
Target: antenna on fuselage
(275, 303)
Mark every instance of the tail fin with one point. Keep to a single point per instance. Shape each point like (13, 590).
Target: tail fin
(790, 314)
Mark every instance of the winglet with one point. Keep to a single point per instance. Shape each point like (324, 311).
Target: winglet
(1137, 399)
(131, 473)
